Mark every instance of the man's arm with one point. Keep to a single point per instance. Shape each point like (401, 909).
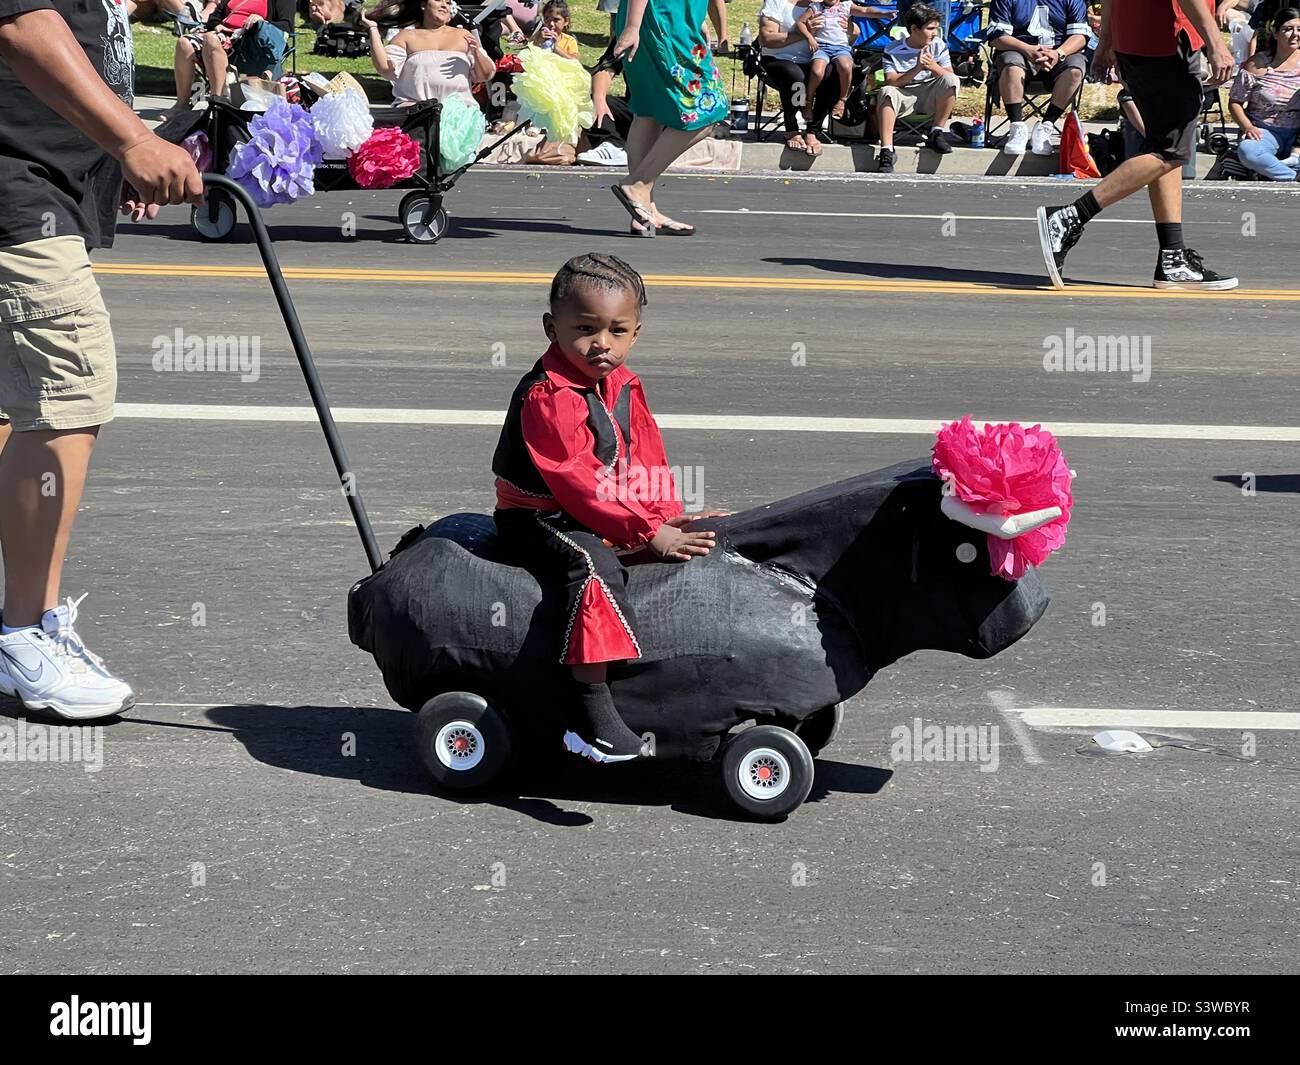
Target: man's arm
(40, 49)
(1203, 21)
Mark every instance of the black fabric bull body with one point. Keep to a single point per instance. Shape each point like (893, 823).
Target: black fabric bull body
(802, 601)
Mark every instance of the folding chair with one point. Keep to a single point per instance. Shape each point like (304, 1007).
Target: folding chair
(750, 56)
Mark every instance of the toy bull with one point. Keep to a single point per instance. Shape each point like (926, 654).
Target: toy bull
(801, 604)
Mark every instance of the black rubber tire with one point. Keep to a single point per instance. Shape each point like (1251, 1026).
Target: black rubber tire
(794, 766)
(487, 736)
(411, 213)
(819, 729)
(221, 229)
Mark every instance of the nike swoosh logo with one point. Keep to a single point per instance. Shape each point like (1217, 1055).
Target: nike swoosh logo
(33, 677)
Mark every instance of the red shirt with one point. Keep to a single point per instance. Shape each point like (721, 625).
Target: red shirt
(1150, 27)
(239, 12)
(626, 502)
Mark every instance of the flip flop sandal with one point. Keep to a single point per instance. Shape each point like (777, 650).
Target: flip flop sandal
(639, 230)
(838, 110)
(802, 146)
(638, 212)
(815, 149)
(673, 228)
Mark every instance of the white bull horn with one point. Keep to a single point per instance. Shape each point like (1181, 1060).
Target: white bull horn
(1004, 526)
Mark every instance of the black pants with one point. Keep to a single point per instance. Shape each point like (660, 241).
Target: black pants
(783, 75)
(1168, 94)
(562, 554)
(612, 131)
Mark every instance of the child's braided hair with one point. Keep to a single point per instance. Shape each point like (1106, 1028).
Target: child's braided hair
(596, 270)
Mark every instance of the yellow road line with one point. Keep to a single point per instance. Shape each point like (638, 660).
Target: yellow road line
(799, 284)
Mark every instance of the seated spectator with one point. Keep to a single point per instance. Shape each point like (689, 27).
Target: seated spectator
(608, 134)
(429, 59)
(211, 46)
(1024, 48)
(553, 30)
(786, 59)
(1265, 101)
(830, 46)
(918, 79)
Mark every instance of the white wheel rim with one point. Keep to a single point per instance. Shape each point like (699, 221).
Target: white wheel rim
(459, 746)
(209, 228)
(422, 230)
(764, 773)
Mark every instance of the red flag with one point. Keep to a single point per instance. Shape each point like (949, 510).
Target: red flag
(1075, 157)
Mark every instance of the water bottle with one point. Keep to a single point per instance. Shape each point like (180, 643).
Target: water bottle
(1241, 34)
(977, 133)
(746, 36)
(548, 44)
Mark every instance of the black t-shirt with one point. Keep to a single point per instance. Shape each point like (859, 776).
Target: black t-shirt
(55, 181)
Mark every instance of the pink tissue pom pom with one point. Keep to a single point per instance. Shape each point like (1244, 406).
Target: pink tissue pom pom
(1008, 469)
(386, 157)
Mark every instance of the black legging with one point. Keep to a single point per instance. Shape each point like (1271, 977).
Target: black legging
(784, 74)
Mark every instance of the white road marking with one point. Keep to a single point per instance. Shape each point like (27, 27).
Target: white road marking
(724, 422)
(934, 217)
(1003, 700)
(1105, 717)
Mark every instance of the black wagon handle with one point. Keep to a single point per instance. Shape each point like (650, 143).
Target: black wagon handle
(347, 479)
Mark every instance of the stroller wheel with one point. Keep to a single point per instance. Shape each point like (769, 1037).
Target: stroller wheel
(767, 771)
(464, 741)
(423, 217)
(214, 220)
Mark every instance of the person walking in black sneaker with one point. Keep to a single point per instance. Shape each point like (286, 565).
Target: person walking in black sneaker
(1156, 46)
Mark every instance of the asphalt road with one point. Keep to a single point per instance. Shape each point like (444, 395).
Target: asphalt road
(227, 830)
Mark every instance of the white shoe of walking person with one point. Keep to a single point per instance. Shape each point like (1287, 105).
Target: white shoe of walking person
(47, 667)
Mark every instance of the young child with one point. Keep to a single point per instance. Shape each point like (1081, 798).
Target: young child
(577, 422)
(830, 44)
(553, 30)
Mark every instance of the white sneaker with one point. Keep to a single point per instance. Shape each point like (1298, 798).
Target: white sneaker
(607, 153)
(1018, 140)
(1040, 141)
(49, 668)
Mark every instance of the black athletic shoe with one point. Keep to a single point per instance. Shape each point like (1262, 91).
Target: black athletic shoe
(937, 141)
(1059, 230)
(1182, 268)
(885, 161)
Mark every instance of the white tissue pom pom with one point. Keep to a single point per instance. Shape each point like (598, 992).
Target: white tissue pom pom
(343, 122)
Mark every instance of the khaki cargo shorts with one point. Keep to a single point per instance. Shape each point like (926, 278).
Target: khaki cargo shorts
(920, 99)
(58, 366)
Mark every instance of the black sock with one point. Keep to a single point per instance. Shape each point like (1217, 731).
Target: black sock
(1170, 235)
(1016, 112)
(1053, 112)
(603, 721)
(1087, 207)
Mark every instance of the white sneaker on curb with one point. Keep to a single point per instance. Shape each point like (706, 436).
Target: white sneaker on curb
(607, 153)
(49, 668)
(1040, 141)
(1017, 139)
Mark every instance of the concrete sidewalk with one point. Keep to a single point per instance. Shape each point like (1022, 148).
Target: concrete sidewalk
(732, 155)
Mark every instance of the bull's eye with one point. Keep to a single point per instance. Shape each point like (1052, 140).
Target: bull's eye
(966, 552)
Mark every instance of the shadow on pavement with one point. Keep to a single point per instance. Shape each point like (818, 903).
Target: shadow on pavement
(921, 272)
(1264, 482)
(316, 739)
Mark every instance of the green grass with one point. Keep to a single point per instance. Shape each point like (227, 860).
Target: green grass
(155, 47)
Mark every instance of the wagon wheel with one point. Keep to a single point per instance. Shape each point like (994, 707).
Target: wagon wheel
(819, 728)
(214, 219)
(423, 218)
(464, 741)
(767, 771)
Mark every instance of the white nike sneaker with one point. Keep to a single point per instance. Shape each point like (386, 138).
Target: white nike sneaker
(1017, 140)
(606, 153)
(1040, 141)
(49, 668)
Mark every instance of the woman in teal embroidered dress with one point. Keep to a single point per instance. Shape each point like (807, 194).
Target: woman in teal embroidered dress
(675, 93)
